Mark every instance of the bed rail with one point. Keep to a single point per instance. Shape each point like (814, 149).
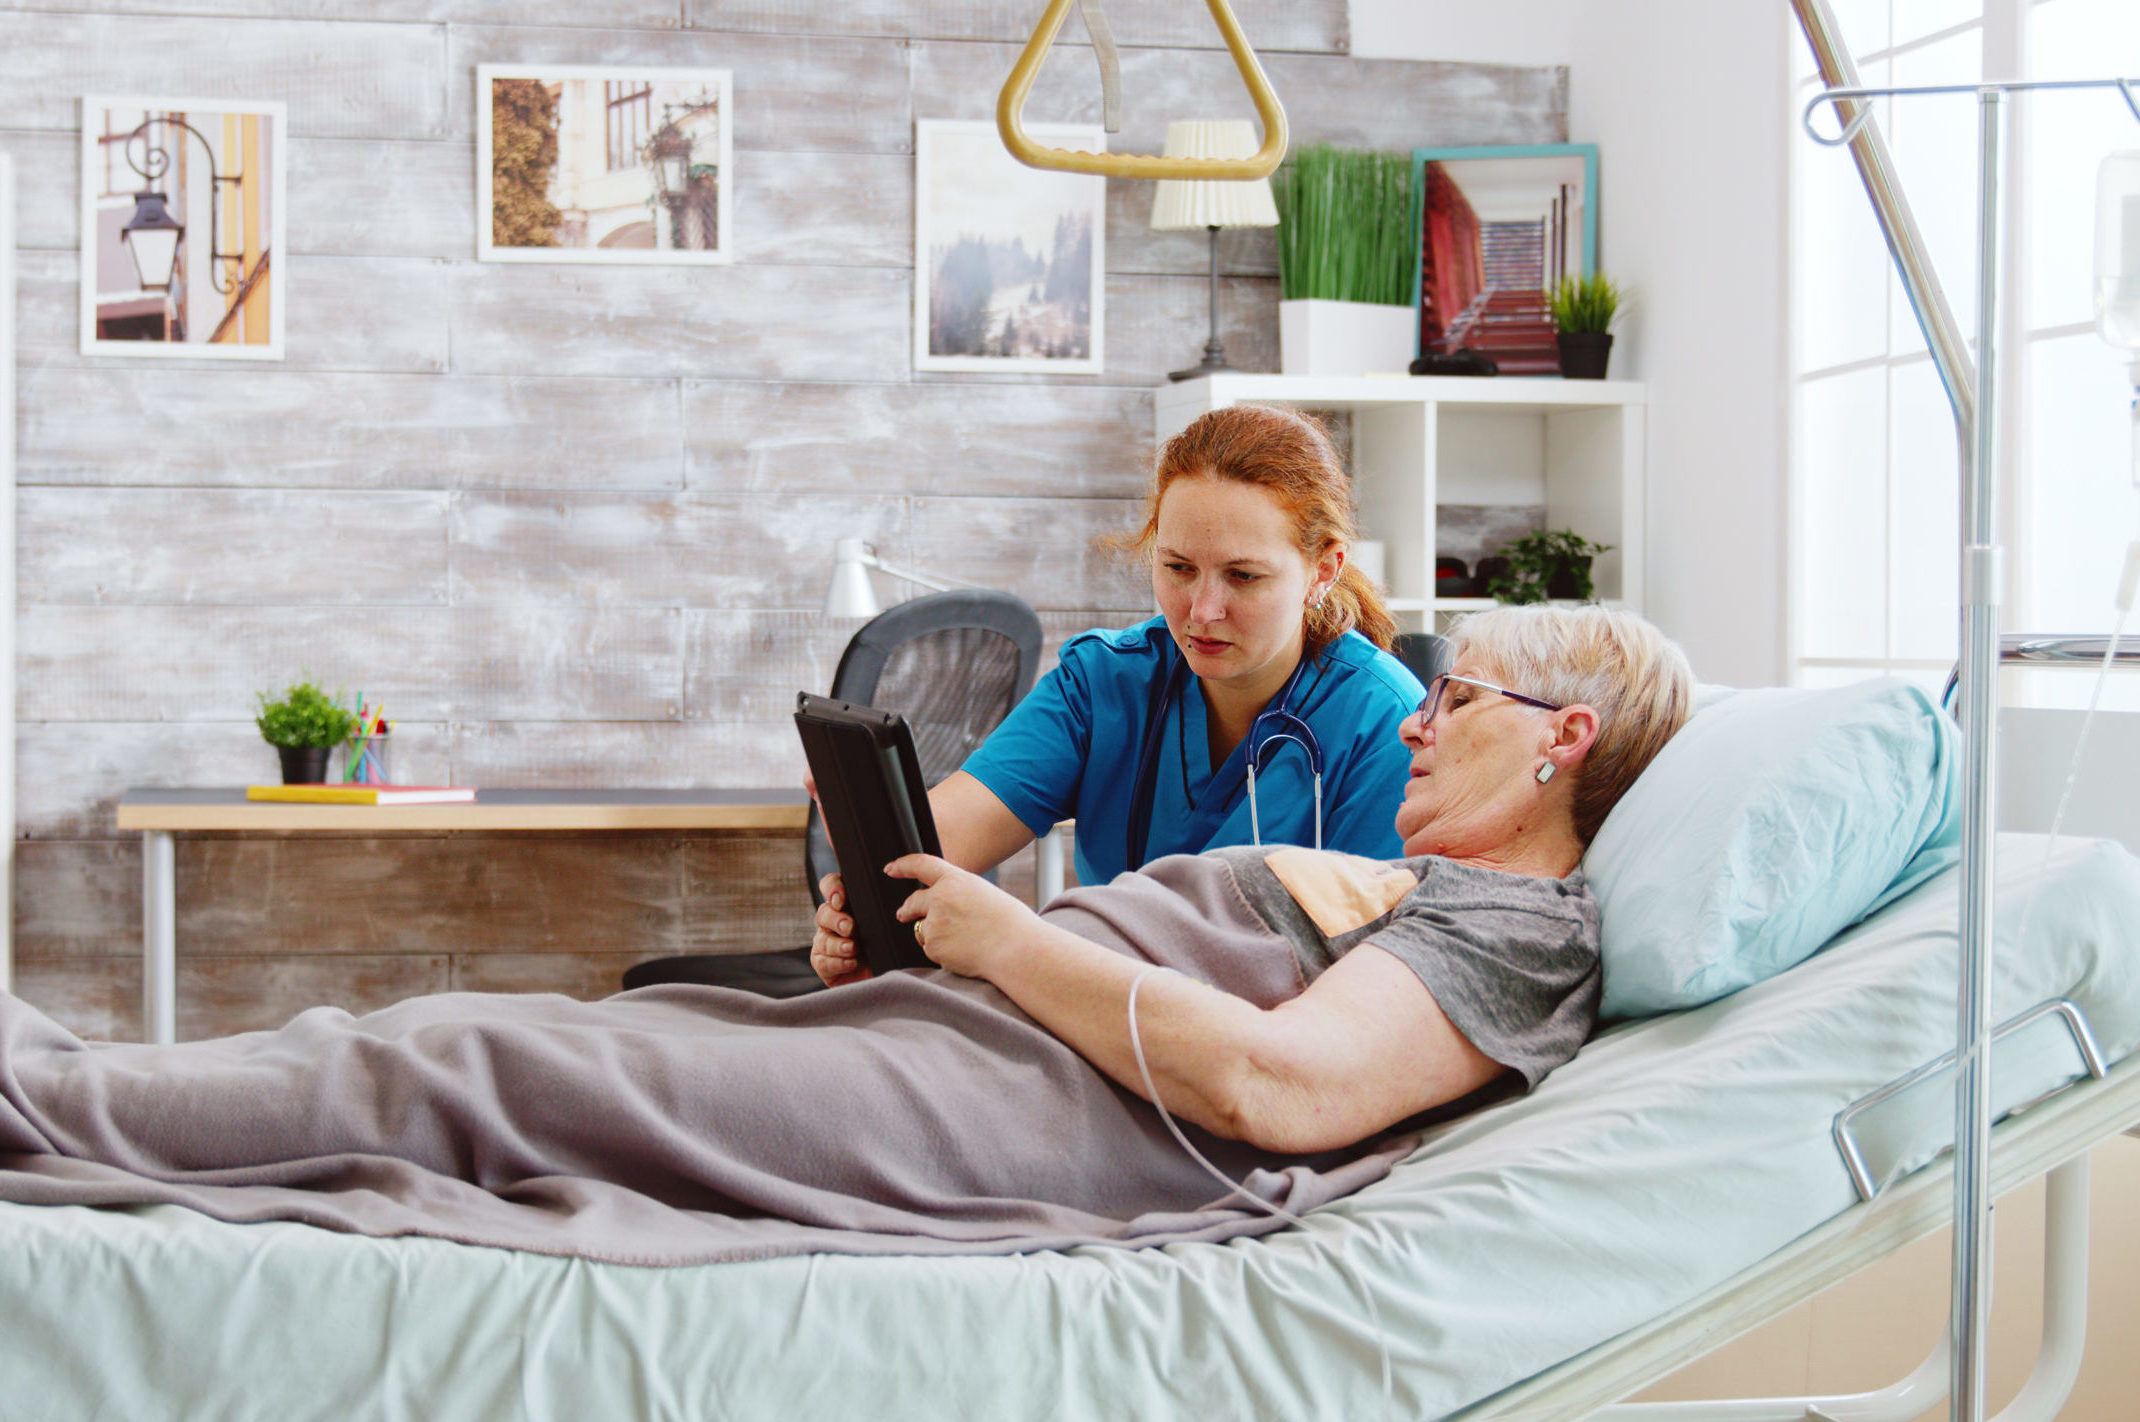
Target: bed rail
(2059, 1351)
(2036, 647)
(2046, 649)
(2064, 1008)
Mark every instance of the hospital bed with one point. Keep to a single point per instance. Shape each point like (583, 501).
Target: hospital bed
(1677, 1182)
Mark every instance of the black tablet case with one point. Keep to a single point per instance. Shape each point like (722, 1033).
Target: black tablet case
(876, 808)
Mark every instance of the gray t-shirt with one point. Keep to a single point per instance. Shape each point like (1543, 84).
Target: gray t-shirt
(1511, 959)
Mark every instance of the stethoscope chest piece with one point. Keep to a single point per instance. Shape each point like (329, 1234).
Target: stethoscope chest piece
(1276, 724)
(1289, 727)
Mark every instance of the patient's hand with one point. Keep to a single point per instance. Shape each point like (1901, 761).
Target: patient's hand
(960, 919)
(832, 946)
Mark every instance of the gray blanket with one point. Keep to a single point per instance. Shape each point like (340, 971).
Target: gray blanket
(919, 1114)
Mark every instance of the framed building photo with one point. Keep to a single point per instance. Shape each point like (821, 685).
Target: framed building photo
(1499, 228)
(1008, 260)
(600, 164)
(182, 223)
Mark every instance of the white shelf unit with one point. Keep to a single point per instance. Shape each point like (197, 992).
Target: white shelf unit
(1573, 446)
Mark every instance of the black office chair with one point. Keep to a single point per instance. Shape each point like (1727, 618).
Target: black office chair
(1426, 653)
(954, 663)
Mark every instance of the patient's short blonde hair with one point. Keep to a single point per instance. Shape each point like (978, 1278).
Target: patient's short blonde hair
(1635, 677)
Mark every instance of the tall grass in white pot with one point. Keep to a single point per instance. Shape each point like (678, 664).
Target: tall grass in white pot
(1345, 260)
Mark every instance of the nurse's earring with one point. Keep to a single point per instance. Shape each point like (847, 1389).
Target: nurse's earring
(1545, 772)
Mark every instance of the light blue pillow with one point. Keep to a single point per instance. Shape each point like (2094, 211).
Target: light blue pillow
(1774, 820)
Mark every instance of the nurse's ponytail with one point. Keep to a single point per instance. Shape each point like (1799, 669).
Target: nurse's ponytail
(1292, 455)
(1353, 605)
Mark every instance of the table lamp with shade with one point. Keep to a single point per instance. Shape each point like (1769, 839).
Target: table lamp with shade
(1211, 204)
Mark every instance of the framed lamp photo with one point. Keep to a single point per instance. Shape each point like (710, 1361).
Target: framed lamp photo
(582, 163)
(1009, 261)
(182, 228)
(1499, 228)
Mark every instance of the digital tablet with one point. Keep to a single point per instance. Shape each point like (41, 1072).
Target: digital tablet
(876, 808)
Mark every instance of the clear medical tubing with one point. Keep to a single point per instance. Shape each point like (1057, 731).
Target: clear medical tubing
(2126, 584)
(1233, 1187)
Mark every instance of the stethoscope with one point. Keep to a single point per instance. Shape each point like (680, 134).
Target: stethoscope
(1274, 725)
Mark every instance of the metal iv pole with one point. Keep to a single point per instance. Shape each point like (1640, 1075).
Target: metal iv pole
(1972, 390)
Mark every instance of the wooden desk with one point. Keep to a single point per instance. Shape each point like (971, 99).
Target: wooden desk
(159, 814)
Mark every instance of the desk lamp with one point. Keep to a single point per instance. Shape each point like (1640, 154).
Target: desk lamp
(1211, 204)
(850, 593)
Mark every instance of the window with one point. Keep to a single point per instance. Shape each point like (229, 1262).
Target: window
(1875, 483)
(120, 178)
(630, 109)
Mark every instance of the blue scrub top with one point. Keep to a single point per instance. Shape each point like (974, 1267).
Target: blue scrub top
(1069, 751)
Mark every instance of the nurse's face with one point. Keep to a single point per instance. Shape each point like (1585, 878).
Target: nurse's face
(1231, 581)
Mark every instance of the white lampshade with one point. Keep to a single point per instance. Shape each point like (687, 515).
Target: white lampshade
(1182, 203)
(850, 594)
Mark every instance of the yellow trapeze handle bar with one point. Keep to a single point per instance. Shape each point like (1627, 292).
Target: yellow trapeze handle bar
(1010, 110)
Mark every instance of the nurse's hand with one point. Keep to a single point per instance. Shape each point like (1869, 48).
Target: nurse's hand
(832, 947)
(960, 919)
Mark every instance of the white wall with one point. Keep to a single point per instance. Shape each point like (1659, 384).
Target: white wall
(1687, 100)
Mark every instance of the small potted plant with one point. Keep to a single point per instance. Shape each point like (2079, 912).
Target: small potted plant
(304, 726)
(1538, 566)
(1583, 310)
(1345, 253)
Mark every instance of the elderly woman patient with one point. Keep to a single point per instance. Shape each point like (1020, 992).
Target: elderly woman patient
(1480, 946)
(1303, 1003)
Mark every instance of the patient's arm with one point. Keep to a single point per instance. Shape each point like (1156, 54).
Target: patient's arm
(1363, 1048)
(977, 832)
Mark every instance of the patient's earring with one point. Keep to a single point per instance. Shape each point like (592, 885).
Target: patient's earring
(1545, 772)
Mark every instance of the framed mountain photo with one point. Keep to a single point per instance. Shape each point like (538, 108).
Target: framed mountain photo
(1008, 260)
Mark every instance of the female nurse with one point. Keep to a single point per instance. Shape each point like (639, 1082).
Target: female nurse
(1269, 647)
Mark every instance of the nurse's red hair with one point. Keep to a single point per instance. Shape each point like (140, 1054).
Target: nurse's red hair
(1292, 456)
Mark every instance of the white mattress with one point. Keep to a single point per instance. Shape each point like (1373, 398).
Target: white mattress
(1670, 1155)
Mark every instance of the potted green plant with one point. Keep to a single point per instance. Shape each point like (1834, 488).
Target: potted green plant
(1583, 310)
(1345, 258)
(1538, 566)
(303, 726)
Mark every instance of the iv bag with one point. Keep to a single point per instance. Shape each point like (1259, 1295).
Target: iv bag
(2117, 250)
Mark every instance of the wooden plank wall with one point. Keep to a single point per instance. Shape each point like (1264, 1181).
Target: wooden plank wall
(569, 522)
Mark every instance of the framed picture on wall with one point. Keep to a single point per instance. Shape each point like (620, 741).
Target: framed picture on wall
(182, 228)
(1499, 228)
(578, 163)
(1009, 261)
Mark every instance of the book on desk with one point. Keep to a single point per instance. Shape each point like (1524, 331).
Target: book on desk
(362, 794)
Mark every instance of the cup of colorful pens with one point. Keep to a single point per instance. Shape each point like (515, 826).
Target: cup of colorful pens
(368, 744)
